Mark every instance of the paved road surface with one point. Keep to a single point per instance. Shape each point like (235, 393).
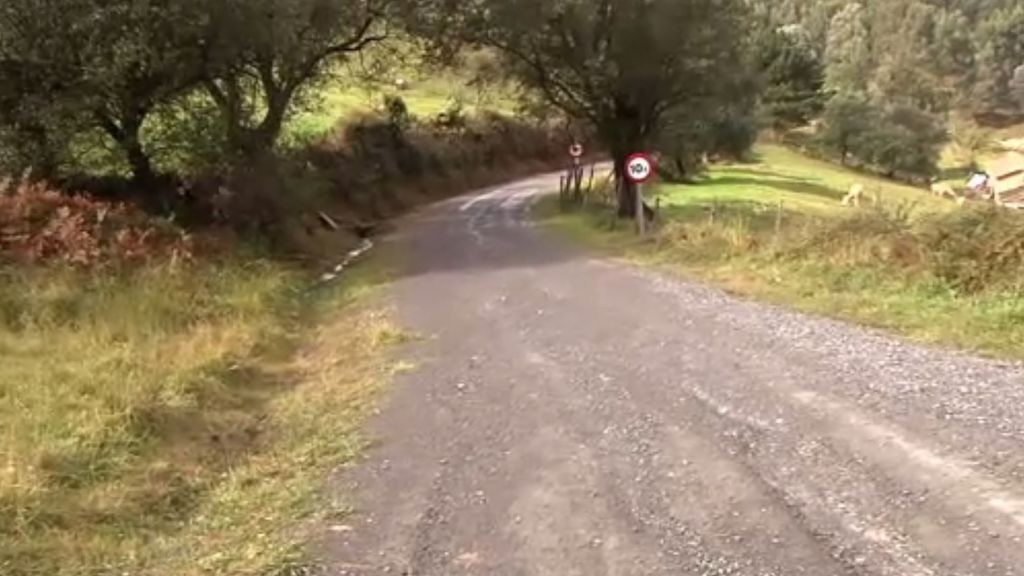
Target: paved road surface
(573, 416)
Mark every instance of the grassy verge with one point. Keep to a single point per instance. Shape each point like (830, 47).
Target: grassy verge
(932, 274)
(177, 421)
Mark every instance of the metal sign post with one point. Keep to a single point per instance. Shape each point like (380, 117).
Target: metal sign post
(576, 171)
(639, 169)
(641, 220)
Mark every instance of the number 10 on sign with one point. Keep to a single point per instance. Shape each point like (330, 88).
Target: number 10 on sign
(639, 169)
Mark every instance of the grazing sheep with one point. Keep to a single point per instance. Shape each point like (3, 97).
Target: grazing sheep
(854, 196)
(944, 190)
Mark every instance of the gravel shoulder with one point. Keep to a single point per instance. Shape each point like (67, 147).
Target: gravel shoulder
(569, 415)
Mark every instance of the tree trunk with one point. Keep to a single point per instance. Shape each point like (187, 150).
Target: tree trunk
(626, 187)
(252, 143)
(681, 167)
(140, 163)
(128, 136)
(38, 151)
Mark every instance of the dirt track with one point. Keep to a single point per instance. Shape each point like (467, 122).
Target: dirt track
(571, 416)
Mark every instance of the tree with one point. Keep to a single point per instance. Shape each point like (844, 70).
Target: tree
(261, 55)
(904, 140)
(1000, 51)
(621, 65)
(103, 63)
(848, 51)
(72, 67)
(136, 55)
(726, 128)
(1017, 85)
(793, 74)
(35, 79)
(847, 118)
(906, 65)
(899, 140)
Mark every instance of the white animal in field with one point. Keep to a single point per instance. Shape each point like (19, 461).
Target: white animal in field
(854, 196)
(944, 190)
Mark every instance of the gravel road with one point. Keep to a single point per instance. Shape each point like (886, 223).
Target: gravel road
(574, 416)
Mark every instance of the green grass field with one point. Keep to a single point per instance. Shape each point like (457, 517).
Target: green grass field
(873, 265)
(802, 184)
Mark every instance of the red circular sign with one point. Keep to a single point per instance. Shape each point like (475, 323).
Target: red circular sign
(576, 150)
(640, 168)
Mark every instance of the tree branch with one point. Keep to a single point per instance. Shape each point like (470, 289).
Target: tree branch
(557, 92)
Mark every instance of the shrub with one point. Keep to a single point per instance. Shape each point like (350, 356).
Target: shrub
(40, 225)
(898, 141)
(977, 249)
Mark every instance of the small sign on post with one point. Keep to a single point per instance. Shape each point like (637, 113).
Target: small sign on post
(640, 169)
(576, 153)
(575, 177)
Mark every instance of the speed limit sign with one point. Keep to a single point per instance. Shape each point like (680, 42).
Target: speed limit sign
(576, 150)
(639, 168)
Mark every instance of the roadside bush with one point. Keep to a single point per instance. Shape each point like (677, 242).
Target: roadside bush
(733, 136)
(364, 172)
(370, 157)
(41, 225)
(877, 234)
(970, 251)
(978, 249)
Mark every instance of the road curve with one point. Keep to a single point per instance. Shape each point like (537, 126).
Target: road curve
(573, 416)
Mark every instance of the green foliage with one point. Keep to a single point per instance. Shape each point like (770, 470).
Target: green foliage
(898, 140)
(935, 56)
(398, 113)
(1017, 84)
(847, 120)
(733, 135)
(793, 74)
(265, 54)
(622, 66)
(133, 71)
(977, 250)
(904, 141)
(848, 50)
(1000, 52)
(102, 66)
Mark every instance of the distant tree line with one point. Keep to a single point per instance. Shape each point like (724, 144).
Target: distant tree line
(888, 74)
